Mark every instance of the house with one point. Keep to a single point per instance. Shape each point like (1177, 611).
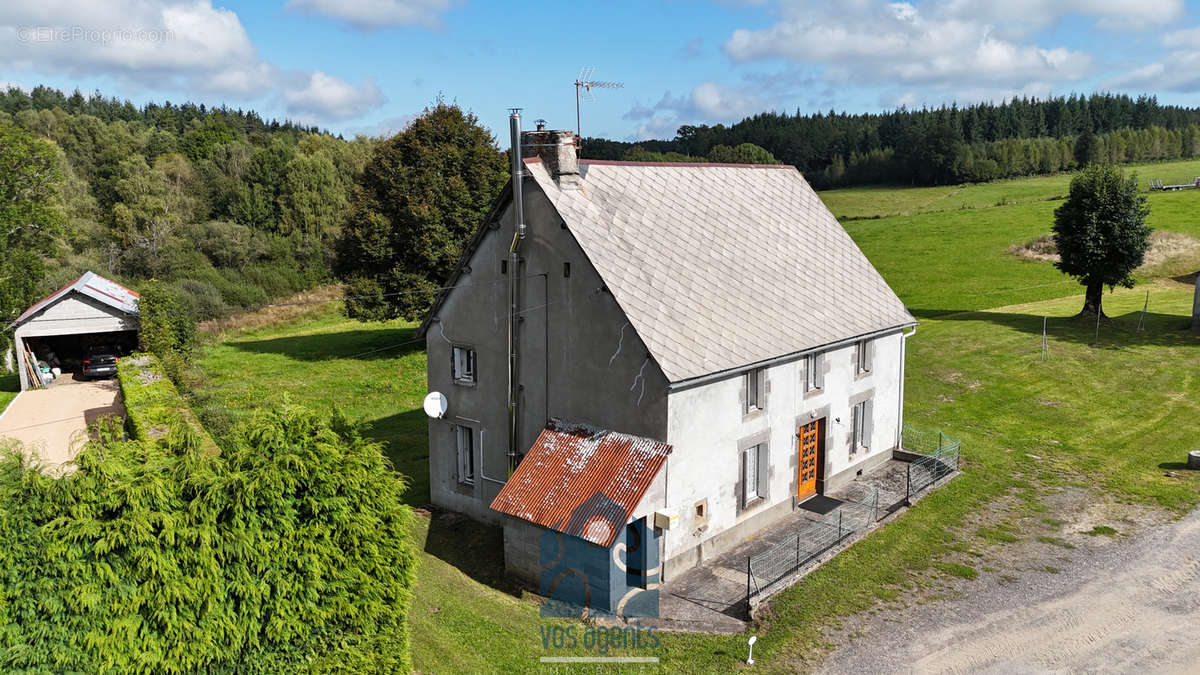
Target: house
(694, 349)
(89, 311)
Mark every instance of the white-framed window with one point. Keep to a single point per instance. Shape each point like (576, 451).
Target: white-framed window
(755, 470)
(465, 442)
(755, 390)
(463, 366)
(863, 353)
(861, 415)
(814, 372)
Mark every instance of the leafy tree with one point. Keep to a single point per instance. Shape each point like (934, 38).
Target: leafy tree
(312, 202)
(420, 197)
(1085, 147)
(1101, 232)
(165, 327)
(746, 153)
(31, 216)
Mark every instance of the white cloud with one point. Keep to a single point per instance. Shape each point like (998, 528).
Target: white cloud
(1177, 70)
(867, 41)
(1183, 39)
(1116, 15)
(318, 97)
(708, 102)
(376, 14)
(186, 43)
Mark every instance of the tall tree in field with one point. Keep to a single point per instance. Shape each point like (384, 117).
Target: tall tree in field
(31, 216)
(1101, 232)
(420, 197)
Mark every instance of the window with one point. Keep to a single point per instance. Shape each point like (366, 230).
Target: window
(862, 356)
(861, 426)
(755, 390)
(465, 440)
(700, 514)
(755, 470)
(814, 372)
(464, 365)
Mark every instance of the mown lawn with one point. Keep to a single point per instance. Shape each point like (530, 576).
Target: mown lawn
(374, 372)
(10, 385)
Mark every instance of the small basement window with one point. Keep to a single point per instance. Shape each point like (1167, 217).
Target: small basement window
(814, 372)
(861, 426)
(465, 441)
(755, 466)
(755, 393)
(863, 353)
(463, 366)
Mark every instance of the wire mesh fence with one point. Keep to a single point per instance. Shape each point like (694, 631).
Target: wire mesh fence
(803, 549)
(938, 457)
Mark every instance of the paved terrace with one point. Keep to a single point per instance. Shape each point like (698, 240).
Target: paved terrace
(711, 598)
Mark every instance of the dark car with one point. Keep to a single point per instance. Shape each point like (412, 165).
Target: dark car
(101, 361)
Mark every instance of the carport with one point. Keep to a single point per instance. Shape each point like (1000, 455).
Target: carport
(89, 311)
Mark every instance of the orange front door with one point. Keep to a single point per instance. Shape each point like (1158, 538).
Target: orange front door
(810, 442)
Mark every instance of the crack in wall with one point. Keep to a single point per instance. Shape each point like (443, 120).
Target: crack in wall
(620, 341)
(640, 376)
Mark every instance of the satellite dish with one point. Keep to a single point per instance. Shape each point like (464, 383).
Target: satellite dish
(435, 405)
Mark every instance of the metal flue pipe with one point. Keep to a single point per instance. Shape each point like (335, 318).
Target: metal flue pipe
(514, 287)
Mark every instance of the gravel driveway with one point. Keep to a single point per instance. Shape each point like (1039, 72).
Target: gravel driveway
(1130, 606)
(53, 422)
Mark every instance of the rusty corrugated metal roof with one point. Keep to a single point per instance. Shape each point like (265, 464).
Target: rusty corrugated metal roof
(582, 481)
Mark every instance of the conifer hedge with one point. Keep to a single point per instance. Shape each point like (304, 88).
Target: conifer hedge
(288, 552)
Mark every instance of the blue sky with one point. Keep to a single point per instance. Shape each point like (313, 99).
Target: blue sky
(367, 66)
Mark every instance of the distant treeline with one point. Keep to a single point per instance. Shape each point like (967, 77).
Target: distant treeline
(981, 142)
(227, 209)
(166, 116)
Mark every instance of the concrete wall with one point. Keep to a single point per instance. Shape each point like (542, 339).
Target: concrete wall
(72, 314)
(707, 429)
(579, 361)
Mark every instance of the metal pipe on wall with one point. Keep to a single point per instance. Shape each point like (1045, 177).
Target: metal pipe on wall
(514, 288)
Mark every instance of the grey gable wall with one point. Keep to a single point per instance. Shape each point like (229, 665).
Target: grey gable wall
(580, 360)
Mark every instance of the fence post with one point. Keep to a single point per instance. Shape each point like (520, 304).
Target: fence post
(839, 524)
(908, 485)
(798, 548)
(748, 577)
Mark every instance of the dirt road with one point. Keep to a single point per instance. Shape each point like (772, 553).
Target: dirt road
(1131, 606)
(53, 422)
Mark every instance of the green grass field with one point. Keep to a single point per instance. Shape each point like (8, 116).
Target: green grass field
(9, 386)
(1114, 418)
(945, 249)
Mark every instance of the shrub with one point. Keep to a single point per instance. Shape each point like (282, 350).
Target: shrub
(288, 553)
(164, 324)
(201, 298)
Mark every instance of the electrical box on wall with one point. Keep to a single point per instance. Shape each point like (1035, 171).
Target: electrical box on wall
(665, 520)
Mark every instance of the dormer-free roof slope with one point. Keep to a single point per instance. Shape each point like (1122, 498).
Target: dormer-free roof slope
(721, 266)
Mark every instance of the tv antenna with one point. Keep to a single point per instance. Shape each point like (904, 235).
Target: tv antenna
(583, 92)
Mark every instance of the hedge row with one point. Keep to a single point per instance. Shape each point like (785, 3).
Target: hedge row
(152, 404)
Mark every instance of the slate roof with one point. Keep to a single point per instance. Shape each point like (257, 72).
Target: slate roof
(94, 286)
(582, 481)
(721, 266)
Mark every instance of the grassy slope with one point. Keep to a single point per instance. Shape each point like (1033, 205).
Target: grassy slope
(9, 386)
(945, 249)
(319, 360)
(1112, 417)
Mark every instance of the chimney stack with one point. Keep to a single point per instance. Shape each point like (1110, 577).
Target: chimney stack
(556, 149)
